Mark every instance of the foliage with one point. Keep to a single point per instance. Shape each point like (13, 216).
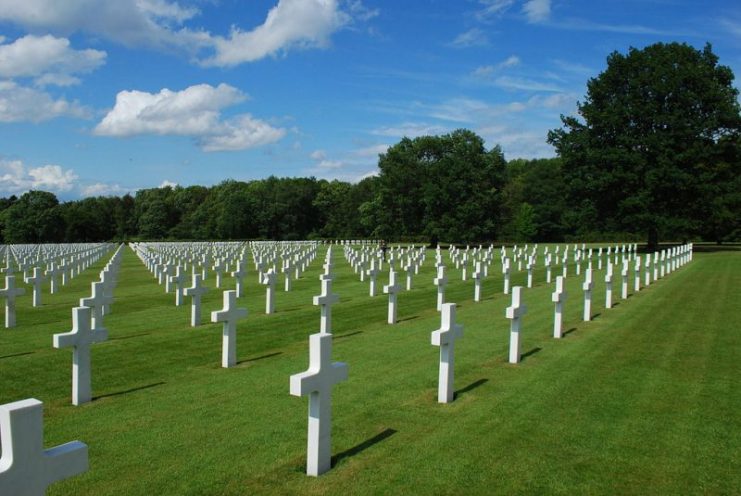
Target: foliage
(651, 150)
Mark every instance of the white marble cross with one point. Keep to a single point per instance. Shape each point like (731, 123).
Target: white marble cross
(96, 302)
(36, 281)
(505, 271)
(80, 338)
(26, 468)
(637, 275)
(195, 291)
(558, 297)
(229, 315)
(238, 276)
(608, 286)
(529, 268)
(52, 274)
(445, 338)
(440, 281)
(647, 270)
(218, 269)
(515, 313)
(269, 281)
(624, 275)
(9, 292)
(477, 277)
(325, 302)
(373, 275)
(391, 289)
(317, 383)
(587, 287)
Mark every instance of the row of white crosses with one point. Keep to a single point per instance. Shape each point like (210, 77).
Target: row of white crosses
(83, 258)
(676, 257)
(26, 468)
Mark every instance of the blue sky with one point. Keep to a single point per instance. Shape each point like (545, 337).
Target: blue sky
(109, 96)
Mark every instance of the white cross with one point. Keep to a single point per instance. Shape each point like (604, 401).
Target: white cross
(637, 275)
(36, 281)
(529, 267)
(26, 468)
(392, 288)
(587, 287)
(80, 338)
(325, 301)
(624, 274)
(195, 291)
(373, 274)
(218, 269)
(515, 313)
(558, 297)
(317, 383)
(505, 271)
(477, 276)
(9, 292)
(238, 276)
(269, 281)
(52, 274)
(647, 270)
(168, 272)
(96, 302)
(229, 315)
(445, 338)
(179, 281)
(440, 281)
(608, 286)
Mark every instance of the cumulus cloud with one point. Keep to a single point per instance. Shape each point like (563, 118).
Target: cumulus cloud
(16, 178)
(161, 24)
(23, 104)
(167, 184)
(194, 111)
(291, 23)
(103, 189)
(48, 59)
(537, 10)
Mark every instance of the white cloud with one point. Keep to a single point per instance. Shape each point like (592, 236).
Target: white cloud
(537, 10)
(161, 24)
(493, 8)
(517, 83)
(472, 37)
(22, 104)
(15, 178)
(49, 59)
(167, 184)
(486, 71)
(103, 189)
(318, 155)
(194, 111)
(409, 130)
(291, 23)
(371, 151)
(330, 164)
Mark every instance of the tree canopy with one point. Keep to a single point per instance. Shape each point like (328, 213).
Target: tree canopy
(656, 145)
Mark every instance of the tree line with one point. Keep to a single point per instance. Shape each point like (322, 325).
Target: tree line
(654, 153)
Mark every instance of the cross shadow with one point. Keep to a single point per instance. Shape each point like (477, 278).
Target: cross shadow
(269, 355)
(529, 353)
(568, 332)
(348, 334)
(596, 315)
(359, 448)
(470, 387)
(127, 391)
(616, 304)
(407, 318)
(130, 336)
(17, 354)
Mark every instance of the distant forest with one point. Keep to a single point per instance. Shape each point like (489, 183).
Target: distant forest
(653, 154)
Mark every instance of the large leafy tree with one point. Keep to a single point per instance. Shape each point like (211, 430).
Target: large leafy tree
(649, 150)
(446, 188)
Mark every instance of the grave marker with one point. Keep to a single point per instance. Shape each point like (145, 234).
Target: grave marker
(515, 313)
(229, 315)
(445, 338)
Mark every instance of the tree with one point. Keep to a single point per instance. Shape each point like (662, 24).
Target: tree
(648, 151)
(34, 218)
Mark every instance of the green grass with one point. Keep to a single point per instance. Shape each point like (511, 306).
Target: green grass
(643, 399)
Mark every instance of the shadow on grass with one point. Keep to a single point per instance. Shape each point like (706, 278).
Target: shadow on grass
(407, 318)
(568, 332)
(127, 391)
(596, 315)
(348, 334)
(530, 353)
(359, 448)
(470, 387)
(263, 357)
(17, 354)
(130, 336)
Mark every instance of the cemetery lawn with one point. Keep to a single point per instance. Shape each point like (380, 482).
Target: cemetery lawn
(644, 399)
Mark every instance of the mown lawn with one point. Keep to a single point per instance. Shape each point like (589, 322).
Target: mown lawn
(644, 399)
